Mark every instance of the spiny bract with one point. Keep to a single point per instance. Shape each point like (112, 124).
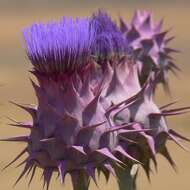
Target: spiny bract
(149, 46)
(90, 116)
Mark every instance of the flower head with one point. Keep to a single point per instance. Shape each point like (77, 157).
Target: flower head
(59, 46)
(149, 46)
(110, 41)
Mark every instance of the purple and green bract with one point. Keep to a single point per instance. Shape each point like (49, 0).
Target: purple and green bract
(96, 109)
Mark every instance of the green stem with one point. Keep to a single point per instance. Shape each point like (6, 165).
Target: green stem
(80, 180)
(127, 177)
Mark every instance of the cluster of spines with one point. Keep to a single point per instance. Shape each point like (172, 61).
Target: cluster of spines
(98, 123)
(91, 115)
(148, 44)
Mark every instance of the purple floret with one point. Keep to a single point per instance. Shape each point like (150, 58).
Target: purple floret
(59, 46)
(110, 41)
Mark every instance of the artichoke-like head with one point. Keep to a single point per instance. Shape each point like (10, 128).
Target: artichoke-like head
(149, 47)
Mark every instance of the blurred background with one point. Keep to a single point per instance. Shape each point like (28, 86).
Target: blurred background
(15, 84)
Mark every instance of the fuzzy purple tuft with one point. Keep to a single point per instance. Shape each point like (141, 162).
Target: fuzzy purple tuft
(59, 46)
(109, 41)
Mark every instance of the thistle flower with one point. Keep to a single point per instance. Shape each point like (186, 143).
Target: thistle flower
(149, 46)
(92, 114)
(125, 84)
(58, 47)
(70, 132)
(109, 43)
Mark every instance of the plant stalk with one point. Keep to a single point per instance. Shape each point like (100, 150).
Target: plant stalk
(80, 180)
(127, 177)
